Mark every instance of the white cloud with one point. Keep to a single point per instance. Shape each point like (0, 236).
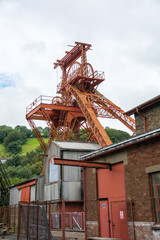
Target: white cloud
(124, 35)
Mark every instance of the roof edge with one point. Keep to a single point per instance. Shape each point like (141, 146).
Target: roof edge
(144, 105)
(123, 144)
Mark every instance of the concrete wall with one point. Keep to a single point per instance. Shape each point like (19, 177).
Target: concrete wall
(152, 115)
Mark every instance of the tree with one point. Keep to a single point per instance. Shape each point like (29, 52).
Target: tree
(15, 147)
(23, 172)
(24, 129)
(14, 136)
(36, 168)
(15, 160)
(117, 135)
(46, 131)
(4, 131)
(16, 180)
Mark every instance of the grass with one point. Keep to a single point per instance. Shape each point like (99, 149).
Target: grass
(3, 152)
(30, 145)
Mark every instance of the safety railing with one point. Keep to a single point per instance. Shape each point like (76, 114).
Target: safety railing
(41, 99)
(98, 75)
(73, 220)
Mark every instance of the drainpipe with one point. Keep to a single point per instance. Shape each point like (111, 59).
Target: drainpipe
(144, 119)
(84, 200)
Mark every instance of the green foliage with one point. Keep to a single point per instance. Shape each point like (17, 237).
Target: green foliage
(36, 168)
(16, 180)
(117, 135)
(15, 147)
(14, 136)
(23, 129)
(20, 167)
(3, 152)
(46, 132)
(23, 172)
(4, 130)
(13, 161)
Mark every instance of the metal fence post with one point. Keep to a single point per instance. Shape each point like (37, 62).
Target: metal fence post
(71, 220)
(14, 218)
(0, 214)
(19, 220)
(84, 199)
(49, 220)
(63, 219)
(27, 220)
(9, 216)
(37, 220)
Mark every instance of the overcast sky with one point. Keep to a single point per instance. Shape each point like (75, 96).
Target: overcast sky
(125, 38)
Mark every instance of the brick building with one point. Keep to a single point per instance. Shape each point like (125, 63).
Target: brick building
(124, 201)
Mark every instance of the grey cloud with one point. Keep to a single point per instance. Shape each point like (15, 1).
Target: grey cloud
(124, 35)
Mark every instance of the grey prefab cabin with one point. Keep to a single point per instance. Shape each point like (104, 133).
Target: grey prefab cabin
(65, 181)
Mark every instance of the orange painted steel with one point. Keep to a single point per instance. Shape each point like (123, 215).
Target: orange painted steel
(74, 114)
(91, 118)
(76, 163)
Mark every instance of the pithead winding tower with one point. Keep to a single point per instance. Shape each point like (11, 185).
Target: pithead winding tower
(74, 114)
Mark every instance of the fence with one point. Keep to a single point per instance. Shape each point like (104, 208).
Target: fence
(41, 220)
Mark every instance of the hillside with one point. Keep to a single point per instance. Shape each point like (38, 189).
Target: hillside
(31, 144)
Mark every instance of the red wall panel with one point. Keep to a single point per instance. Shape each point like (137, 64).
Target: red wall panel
(25, 194)
(111, 183)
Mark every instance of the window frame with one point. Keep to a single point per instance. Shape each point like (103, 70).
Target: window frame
(157, 197)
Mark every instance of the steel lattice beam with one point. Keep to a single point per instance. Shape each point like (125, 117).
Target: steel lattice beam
(79, 105)
(90, 116)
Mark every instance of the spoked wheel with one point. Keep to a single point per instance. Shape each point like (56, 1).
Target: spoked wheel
(74, 70)
(88, 70)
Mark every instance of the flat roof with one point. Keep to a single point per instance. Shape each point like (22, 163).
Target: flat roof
(121, 145)
(144, 105)
(77, 146)
(26, 181)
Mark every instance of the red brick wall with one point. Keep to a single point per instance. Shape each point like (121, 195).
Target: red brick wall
(92, 210)
(137, 180)
(152, 115)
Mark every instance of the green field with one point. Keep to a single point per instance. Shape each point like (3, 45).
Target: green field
(30, 145)
(2, 151)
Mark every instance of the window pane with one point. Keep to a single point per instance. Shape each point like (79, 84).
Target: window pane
(154, 191)
(158, 191)
(155, 204)
(158, 178)
(157, 217)
(153, 178)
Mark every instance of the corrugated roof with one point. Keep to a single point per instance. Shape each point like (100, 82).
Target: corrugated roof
(80, 146)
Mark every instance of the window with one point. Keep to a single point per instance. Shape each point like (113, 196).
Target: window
(53, 171)
(155, 183)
